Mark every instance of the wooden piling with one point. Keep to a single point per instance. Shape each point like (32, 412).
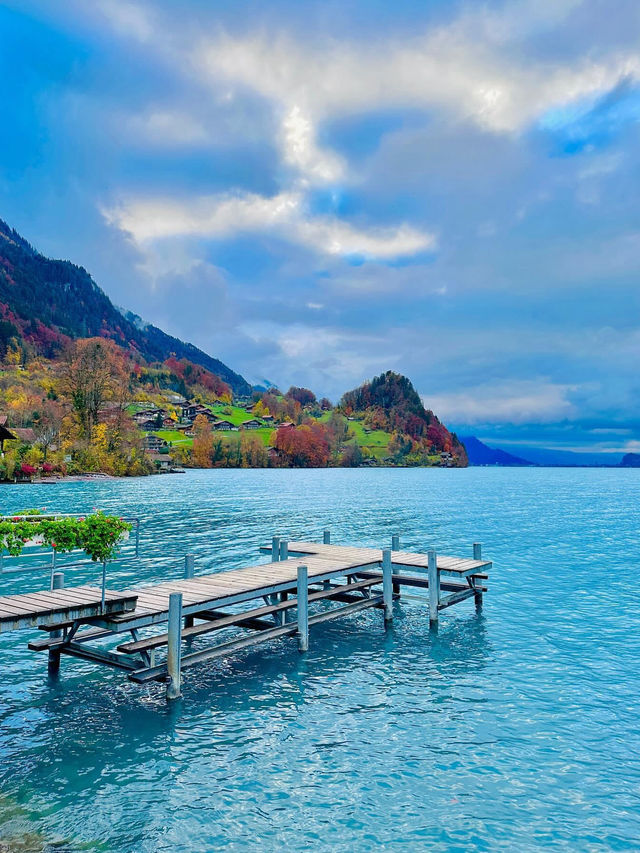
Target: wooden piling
(395, 546)
(477, 555)
(284, 550)
(57, 582)
(387, 585)
(302, 594)
(326, 537)
(189, 572)
(174, 645)
(275, 549)
(433, 574)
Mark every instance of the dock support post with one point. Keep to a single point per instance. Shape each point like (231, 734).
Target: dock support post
(395, 546)
(275, 549)
(189, 572)
(326, 537)
(302, 594)
(387, 585)
(477, 555)
(284, 550)
(174, 645)
(434, 586)
(57, 582)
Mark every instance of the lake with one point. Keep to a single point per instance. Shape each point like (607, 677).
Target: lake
(515, 729)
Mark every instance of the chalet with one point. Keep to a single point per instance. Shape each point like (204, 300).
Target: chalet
(190, 410)
(223, 425)
(154, 442)
(252, 424)
(446, 459)
(168, 423)
(162, 461)
(268, 419)
(148, 425)
(287, 425)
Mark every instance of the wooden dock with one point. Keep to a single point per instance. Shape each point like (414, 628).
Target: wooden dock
(336, 581)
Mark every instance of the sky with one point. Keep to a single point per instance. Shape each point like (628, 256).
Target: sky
(315, 192)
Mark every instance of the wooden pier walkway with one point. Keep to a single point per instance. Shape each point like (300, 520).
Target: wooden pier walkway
(300, 574)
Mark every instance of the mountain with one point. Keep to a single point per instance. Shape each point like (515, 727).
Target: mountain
(481, 454)
(630, 460)
(45, 302)
(567, 458)
(390, 402)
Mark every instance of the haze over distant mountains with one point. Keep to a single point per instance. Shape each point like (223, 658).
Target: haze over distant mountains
(480, 453)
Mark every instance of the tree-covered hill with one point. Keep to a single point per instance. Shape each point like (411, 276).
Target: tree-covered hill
(390, 402)
(47, 302)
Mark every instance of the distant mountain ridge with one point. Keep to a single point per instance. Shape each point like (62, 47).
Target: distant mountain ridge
(49, 301)
(480, 453)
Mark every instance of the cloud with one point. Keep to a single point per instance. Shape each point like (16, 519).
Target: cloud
(220, 217)
(449, 68)
(514, 402)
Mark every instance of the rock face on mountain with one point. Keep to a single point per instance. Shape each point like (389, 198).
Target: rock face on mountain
(46, 302)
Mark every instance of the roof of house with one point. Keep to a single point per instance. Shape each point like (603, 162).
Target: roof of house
(25, 434)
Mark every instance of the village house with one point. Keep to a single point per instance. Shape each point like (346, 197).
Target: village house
(223, 425)
(162, 461)
(148, 425)
(287, 425)
(153, 442)
(252, 424)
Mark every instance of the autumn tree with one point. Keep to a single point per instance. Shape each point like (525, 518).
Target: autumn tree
(202, 442)
(94, 373)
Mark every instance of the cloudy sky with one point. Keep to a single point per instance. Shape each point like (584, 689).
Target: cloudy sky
(315, 192)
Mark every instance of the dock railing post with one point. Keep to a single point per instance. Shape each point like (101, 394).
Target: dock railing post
(434, 586)
(189, 572)
(275, 549)
(387, 585)
(174, 646)
(326, 537)
(477, 555)
(302, 594)
(57, 582)
(284, 550)
(104, 585)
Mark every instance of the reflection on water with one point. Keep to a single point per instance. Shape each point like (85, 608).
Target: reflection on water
(511, 729)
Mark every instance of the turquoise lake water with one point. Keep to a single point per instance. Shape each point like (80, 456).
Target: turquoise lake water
(516, 729)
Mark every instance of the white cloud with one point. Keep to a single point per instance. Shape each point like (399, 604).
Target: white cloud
(219, 217)
(510, 401)
(301, 151)
(450, 68)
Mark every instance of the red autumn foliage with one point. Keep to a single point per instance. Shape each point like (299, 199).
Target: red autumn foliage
(306, 446)
(193, 374)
